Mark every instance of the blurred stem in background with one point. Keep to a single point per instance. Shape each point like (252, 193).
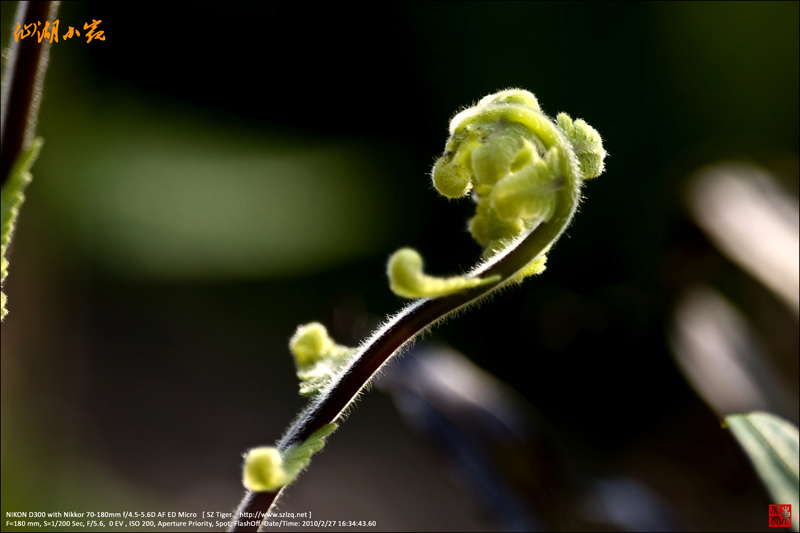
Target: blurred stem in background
(22, 92)
(23, 78)
(507, 455)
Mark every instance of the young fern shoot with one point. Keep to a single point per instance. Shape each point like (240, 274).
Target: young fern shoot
(525, 173)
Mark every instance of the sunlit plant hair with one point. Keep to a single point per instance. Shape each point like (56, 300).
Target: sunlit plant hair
(524, 172)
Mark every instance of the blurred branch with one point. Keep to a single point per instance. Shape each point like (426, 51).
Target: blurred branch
(722, 358)
(22, 84)
(505, 453)
(754, 222)
(498, 444)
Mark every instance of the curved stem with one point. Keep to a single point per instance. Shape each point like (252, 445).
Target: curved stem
(412, 320)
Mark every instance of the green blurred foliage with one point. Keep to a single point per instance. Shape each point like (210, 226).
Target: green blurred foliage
(153, 192)
(771, 444)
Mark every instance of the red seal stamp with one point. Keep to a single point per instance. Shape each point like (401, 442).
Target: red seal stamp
(780, 516)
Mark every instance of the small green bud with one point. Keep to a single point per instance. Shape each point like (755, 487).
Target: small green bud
(310, 343)
(452, 173)
(318, 358)
(586, 142)
(263, 470)
(451, 180)
(266, 469)
(406, 278)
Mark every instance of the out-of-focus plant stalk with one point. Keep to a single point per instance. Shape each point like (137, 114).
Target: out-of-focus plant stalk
(22, 83)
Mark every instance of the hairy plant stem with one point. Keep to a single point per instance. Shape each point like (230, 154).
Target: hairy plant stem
(412, 320)
(22, 84)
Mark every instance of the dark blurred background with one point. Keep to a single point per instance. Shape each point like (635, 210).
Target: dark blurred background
(215, 174)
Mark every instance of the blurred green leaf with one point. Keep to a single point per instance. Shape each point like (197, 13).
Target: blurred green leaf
(160, 191)
(772, 445)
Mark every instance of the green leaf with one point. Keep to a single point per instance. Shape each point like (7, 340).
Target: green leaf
(772, 445)
(12, 197)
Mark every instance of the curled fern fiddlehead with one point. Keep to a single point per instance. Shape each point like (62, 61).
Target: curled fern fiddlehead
(521, 168)
(525, 173)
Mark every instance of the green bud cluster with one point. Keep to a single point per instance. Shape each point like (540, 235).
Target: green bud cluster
(514, 160)
(317, 357)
